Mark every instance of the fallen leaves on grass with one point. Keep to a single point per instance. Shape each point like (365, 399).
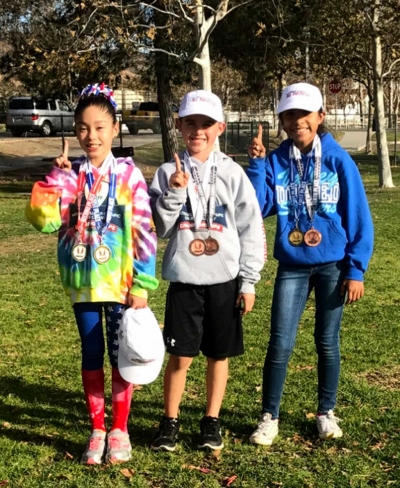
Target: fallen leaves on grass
(216, 454)
(378, 446)
(128, 472)
(229, 480)
(310, 415)
(387, 377)
(198, 468)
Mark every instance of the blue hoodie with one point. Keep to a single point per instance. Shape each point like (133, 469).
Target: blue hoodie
(343, 216)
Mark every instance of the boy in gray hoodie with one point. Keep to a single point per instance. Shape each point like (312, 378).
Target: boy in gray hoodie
(205, 205)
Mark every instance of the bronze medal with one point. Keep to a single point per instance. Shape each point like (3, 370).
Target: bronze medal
(79, 252)
(197, 247)
(102, 254)
(296, 237)
(212, 246)
(312, 237)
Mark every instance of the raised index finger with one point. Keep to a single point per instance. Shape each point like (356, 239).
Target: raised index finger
(260, 132)
(178, 163)
(66, 149)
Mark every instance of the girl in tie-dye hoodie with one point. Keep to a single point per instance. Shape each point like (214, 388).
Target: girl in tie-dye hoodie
(106, 251)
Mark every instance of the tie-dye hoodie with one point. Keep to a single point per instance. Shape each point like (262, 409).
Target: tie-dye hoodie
(130, 235)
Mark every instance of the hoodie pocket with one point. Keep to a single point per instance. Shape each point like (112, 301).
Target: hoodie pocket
(339, 231)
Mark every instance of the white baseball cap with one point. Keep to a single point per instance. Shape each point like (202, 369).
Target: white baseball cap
(302, 96)
(201, 102)
(141, 346)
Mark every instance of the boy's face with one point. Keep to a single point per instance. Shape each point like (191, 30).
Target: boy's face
(199, 133)
(301, 126)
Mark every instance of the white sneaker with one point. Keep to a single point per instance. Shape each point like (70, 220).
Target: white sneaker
(95, 448)
(119, 449)
(267, 430)
(327, 426)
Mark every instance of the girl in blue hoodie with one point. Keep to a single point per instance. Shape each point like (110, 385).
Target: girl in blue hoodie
(324, 240)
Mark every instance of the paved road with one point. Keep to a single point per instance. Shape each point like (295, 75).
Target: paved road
(353, 141)
(24, 152)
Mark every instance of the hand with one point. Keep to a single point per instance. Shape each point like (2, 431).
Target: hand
(179, 179)
(256, 148)
(62, 161)
(137, 302)
(246, 302)
(354, 290)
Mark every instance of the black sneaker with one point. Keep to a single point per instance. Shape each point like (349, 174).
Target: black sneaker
(167, 435)
(210, 433)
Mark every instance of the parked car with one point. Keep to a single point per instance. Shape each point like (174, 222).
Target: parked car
(147, 116)
(42, 115)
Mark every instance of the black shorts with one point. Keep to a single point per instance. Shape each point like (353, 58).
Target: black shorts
(203, 318)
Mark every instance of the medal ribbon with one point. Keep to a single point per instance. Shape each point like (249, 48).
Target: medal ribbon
(85, 173)
(303, 191)
(208, 213)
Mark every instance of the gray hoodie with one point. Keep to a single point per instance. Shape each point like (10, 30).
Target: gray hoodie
(238, 227)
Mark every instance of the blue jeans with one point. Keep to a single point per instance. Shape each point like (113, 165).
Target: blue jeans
(292, 286)
(89, 318)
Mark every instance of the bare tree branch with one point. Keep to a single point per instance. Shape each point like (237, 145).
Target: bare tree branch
(189, 19)
(167, 12)
(390, 68)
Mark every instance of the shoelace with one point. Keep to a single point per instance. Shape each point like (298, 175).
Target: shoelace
(210, 427)
(167, 428)
(329, 419)
(266, 425)
(95, 443)
(118, 442)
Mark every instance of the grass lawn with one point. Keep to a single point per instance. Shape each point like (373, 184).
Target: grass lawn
(43, 420)
(390, 135)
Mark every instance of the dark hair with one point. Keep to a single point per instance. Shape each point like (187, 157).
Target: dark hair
(321, 128)
(96, 101)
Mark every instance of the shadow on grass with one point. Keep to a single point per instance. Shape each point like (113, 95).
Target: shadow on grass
(22, 187)
(33, 406)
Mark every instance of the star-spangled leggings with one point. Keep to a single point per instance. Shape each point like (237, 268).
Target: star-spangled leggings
(89, 318)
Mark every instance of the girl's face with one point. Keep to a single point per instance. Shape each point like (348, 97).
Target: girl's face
(95, 130)
(301, 126)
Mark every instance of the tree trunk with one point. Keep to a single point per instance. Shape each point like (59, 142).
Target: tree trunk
(390, 121)
(203, 58)
(385, 174)
(368, 142)
(281, 82)
(164, 95)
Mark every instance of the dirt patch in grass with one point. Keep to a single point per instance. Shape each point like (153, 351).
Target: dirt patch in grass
(27, 243)
(387, 378)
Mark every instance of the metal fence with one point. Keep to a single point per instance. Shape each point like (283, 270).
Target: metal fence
(238, 135)
(234, 141)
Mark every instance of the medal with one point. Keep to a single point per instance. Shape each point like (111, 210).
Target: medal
(312, 237)
(197, 247)
(212, 246)
(102, 254)
(79, 252)
(296, 237)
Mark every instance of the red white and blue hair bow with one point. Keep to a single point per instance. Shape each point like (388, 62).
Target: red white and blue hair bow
(100, 89)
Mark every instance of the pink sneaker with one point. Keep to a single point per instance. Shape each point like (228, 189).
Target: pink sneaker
(118, 447)
(95, 448)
